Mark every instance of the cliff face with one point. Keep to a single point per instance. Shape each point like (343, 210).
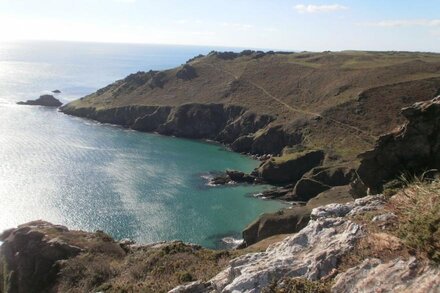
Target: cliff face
(260, 103)
(226, 124)
(410, 150)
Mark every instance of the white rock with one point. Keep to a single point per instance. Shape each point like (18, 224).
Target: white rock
(394, 276)
(312, 253)
(384, 218)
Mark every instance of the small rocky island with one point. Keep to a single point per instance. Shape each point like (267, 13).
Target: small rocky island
(44, 100)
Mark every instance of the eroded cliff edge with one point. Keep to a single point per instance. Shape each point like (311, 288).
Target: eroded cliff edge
(260, 103)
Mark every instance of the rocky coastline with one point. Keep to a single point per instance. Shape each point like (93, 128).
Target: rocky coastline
(308, 156)
(353, 228)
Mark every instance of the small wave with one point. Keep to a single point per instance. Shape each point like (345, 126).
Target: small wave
(259, 195)
(231, 241)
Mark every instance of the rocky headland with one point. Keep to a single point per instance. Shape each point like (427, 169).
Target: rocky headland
(308, 115)
(334, 141)
(43, 100)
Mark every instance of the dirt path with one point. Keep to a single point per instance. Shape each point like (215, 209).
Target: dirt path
(292, 108)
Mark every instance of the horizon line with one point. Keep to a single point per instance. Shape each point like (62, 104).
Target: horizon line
(207, 46)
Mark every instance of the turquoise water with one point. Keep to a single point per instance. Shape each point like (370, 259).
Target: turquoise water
(91, 176)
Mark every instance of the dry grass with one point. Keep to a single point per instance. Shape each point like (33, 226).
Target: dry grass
(327, 83)
(418, 210)
(414, 232)
(298, 285)
(155, 269)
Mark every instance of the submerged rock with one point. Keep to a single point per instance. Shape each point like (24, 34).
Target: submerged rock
(44, 100)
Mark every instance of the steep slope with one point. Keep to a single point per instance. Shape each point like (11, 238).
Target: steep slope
(262, 102)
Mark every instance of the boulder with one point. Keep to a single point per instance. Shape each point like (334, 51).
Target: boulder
(411, 149)
(289, 168)
(44, 100)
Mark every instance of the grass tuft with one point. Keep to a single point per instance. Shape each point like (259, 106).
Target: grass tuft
(418, 209)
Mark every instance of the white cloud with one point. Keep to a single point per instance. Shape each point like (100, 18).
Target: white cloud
(301, 8)
(404, 23)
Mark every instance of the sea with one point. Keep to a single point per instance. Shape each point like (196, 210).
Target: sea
(92, 176)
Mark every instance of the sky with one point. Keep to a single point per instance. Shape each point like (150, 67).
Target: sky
(412, 25)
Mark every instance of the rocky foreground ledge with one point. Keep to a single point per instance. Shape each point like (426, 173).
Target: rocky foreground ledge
(374, 244)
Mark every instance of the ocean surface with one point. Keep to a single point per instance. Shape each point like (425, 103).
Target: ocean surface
(91, 176)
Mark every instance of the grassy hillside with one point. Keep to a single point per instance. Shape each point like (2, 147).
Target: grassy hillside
(337, 101)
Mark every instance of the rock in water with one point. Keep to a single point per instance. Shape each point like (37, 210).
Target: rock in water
(44, 100)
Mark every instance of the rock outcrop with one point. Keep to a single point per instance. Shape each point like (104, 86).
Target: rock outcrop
(289, 168)
(318, 180)
(411, 149)
(398, 275)
(233, 176)
(187, 72)
(226, 124)
(29, 257)
(44, 100)
(283, 222)
(312, 253)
